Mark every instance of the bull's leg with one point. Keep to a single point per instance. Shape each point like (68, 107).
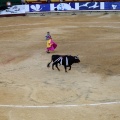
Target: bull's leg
(65, 68)
(70, 67)
(53, 66)
(57, 66)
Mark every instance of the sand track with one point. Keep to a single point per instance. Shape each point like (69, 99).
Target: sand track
(26, 81)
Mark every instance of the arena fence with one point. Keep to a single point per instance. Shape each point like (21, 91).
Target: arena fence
(72, 8)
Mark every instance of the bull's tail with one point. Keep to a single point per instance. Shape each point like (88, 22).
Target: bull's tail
(48, 65)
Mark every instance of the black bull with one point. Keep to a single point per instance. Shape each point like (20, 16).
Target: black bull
(65, 60)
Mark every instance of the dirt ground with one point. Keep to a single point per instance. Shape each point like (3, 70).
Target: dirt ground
(31, 91)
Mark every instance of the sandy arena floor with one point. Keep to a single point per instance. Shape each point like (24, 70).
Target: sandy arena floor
(31, 91)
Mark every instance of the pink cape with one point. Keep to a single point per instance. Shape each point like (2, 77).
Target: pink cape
(53, 46)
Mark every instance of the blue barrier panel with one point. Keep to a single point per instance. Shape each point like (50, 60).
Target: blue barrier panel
(75, 6)
(112, 5)
(64, 6)
(39, 7)
(89, 5)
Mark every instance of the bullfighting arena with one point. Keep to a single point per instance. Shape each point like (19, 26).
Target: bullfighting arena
(31, 91)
